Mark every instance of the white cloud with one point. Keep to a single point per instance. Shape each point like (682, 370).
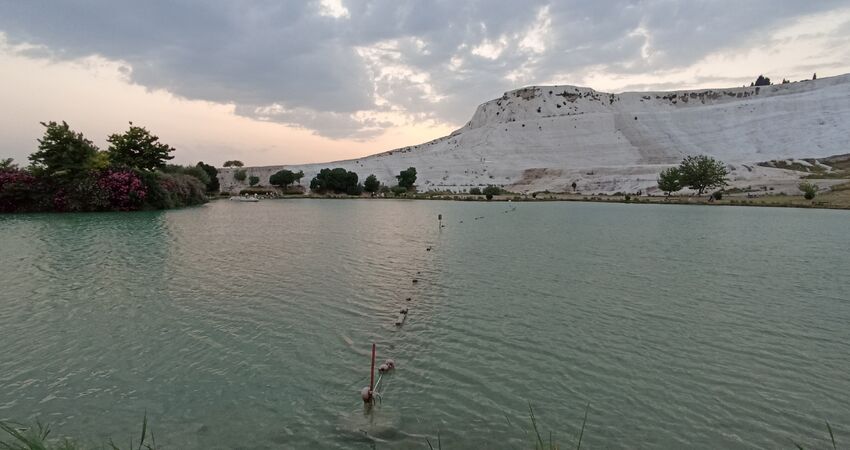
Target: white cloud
(333, 8)
(536, 37)
(490, 49)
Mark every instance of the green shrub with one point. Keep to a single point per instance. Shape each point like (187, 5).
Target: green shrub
(398, 190)
(195, 171)
(177, 190)
(253, 180)
(240, 175)
(809, 190)
(475, 191)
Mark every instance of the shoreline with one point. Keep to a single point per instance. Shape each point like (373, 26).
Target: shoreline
(839, 200)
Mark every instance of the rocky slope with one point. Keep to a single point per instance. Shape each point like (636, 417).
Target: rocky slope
(547, 137)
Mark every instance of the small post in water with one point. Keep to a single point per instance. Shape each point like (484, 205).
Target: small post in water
(366, 392)
(440, 221)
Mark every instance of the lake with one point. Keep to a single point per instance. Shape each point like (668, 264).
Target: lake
(240, 325)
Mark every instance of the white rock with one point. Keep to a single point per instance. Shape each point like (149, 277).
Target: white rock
(615, 142)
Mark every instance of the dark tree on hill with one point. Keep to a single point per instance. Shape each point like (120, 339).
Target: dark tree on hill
(253, 180)
(702, 172)
(62, 152)
(233, 163)
(406, 178)
(212, 173)
(240, 175)
(336, 180)
(762, 81)
(139, 149)
(670, 180)
(475, 191)
(371, 184)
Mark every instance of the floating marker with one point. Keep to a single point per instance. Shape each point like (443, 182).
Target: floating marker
(400, 320)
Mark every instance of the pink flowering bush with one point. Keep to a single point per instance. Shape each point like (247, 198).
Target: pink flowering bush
(123, 188)
(17, 190)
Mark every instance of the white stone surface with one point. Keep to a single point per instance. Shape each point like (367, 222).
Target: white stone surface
(547, 137)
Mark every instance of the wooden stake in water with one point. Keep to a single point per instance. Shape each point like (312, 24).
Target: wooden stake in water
(440, 221)
(372, 371)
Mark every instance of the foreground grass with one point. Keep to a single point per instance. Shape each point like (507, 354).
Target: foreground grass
(37, 438)
(18, 437)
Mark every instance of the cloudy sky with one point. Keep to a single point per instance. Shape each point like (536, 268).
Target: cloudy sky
(282, 82)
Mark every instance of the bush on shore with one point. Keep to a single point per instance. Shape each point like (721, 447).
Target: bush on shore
(810, 190)
(69, 174)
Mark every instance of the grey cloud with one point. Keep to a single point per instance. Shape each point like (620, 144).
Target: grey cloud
(261, 53)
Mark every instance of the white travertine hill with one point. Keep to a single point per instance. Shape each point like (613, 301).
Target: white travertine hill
(547, 137)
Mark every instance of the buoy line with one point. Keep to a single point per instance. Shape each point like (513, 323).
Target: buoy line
(371, 393)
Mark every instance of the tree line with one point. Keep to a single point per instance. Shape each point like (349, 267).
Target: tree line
(68, 172)
(334, 181)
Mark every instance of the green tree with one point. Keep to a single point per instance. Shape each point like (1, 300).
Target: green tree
(8, 164)
(240, 175)
(669, 180)
(475, 191)
(62, 152)
(139, 149)
(233, 163)
(253, 180)
(702, 172)
(284, 178)
(809, 190)
(336, 180)
(371, 184)
(213, 185)
(406, 178)
(491, 190)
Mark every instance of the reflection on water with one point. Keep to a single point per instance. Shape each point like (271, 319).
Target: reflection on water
(240, 325)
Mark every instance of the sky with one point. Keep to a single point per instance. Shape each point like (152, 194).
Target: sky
(285, 82)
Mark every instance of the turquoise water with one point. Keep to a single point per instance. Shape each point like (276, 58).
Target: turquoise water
(238, 325)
